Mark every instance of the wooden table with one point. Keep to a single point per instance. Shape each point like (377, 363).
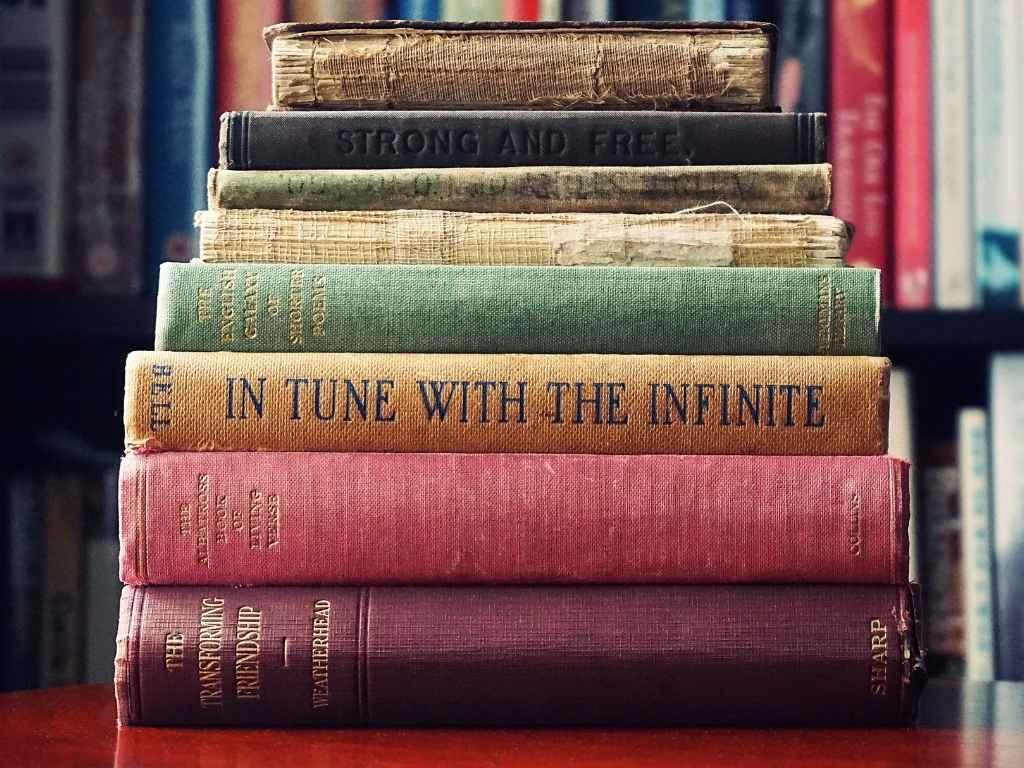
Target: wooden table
(973, 725)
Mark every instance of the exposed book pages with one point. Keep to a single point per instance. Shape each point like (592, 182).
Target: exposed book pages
(976, 543)
(998, 123)
(431, 138)
(395, 65)
(953, 103)
(805, 188)
(33, 136)
(422, 308)
(442, 518)
(556, 239)
(507, 403)
(901, 444)
(1006, 409)
(943, 585)
(379, 656)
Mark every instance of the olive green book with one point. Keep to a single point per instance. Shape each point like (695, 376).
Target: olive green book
(423, 308)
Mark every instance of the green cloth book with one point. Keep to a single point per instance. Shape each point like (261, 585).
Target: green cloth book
(425, 308)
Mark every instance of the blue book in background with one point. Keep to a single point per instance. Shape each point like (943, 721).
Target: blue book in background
(750, 10)
(179, 126)
(707, 10)
(425, 10)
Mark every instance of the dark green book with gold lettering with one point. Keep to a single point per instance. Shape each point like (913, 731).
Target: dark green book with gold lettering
(426, 308)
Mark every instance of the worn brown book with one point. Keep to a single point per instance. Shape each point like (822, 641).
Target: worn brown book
(555, 239)
(533, 65)
(805, 188)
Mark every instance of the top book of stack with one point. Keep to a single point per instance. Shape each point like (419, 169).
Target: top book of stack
(493, 65)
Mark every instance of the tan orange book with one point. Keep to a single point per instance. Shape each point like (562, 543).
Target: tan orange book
(194, 401)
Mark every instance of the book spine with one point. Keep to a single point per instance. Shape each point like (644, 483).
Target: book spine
(996, 43)
(33, 136)
(860, 116)
(320, 11)
(243, 77)
(558, 189)
(708, 10)
(801, 81)
(179, 106)
(750, 10)
(381, 656)
(521, 10)
(25, 514)
(708, 69)
(106, 178)
(587, 10)
(976, 543)
(421, 308)
(427, 10)
(940, 490)
(471, 10)
(503, 239)
(911, 152)
(60, 639)
(953, 234)
(360, 139)
(831, 519)
(1006, 404)
(507, 403)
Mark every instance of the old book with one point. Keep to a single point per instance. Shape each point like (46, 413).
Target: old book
(283, 140)
(506, 403)
(105, 184)
(546, 189)
(861, 116)
(553, 239)
(421, 308)
(494, 65)
(443, 518)
(578, 655)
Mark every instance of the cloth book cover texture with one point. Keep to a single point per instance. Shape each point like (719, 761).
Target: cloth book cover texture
(541, 67)
(421, 308)
(553, 239)
(507, 403)
(386, 656)
(525, 189)
(440, 139)
(442, 518)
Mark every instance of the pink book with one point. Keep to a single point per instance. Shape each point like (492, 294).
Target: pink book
(450, 518)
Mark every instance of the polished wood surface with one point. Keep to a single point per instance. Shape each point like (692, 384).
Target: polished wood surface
(972, 725)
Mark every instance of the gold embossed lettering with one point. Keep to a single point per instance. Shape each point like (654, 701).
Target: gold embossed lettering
(319, 664)
(174, 651)
(248, 636)
(210, 645)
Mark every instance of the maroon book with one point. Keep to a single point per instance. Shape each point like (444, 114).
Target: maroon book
(577, 655)
(454, 518)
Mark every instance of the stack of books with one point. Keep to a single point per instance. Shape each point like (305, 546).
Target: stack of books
(520, 382)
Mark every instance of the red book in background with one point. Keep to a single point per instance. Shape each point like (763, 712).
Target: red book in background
(243, 63)
(522, 10)
(860, 137)
(912, 162)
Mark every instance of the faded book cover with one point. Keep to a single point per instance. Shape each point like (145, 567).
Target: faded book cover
(494, 65)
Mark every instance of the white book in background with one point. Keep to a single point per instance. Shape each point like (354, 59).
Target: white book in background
(951, 155)
(901, 445)
(997, 122)
(1006, 411)
(33, 107)
(976, 543)
(472, 10)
